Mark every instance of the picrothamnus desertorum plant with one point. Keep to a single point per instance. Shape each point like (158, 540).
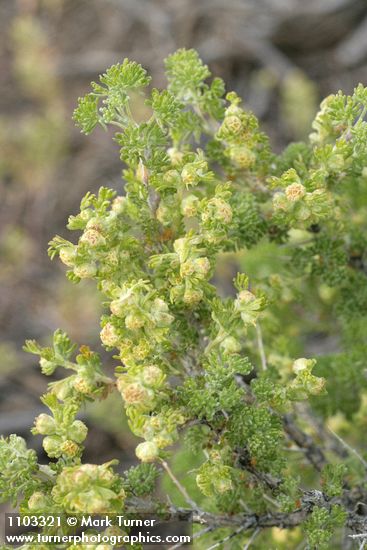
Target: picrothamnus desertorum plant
(214, 373)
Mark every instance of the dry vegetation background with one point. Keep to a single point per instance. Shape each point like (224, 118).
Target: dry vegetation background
(281, 56)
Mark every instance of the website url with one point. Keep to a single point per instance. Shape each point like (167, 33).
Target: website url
(98, 538)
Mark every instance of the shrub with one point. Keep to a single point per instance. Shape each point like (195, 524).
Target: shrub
(225, 375)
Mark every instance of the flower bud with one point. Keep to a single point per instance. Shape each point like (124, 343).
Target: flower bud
(187, 268)
(172, 178)
(67, 255)
(316, 385)
(95, 224)
(93, 238)
(45, 424)
(119, 205)
(336, 163)
(38, 502)
(218, 209)
(223, 484)
(280, 201)
(242, 156)
(118, 308)
(153, 376)
(233, 124)
(63, 388)
(78, 431)
(189, 206)
(142, 349)
(83, 474)
(52, 446)
(189, 175)
(192, 297)
(126, 347)
(215, 455)
(163, 319)
(180, 246)
(304, 212)
(295, 191)
(163, 439)
(160, 305)
(175, 155)
(47, 367)
(69, 448)
(155, 422)
(230, 345)
(85, 271)
(109, 335)
(233, 109)
(87, 488)
(134, 321)
(112, 258)
(83, 385)
(202, 267)
(134, 393)
(302, 364)
(86, 214)
(147, 451)
(245, 297)
(164, 214)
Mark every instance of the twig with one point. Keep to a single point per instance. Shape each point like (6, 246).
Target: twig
(227, 538)
(251, 539)
(195, 536)
(271, 500)
(331, 442)
(348, 447)
(260, 345)
(313, 452)
(180, 487)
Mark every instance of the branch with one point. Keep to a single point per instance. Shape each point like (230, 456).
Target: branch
(250, 521)
(313, 452)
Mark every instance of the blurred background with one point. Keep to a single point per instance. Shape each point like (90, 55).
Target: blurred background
(281, 56)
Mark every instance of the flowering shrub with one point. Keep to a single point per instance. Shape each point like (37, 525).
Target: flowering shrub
(221, 374)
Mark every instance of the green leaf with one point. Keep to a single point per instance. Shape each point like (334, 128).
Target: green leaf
(86, 114)
(186, 74)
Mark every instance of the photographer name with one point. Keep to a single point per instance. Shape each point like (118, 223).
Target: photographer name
(121, 521)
